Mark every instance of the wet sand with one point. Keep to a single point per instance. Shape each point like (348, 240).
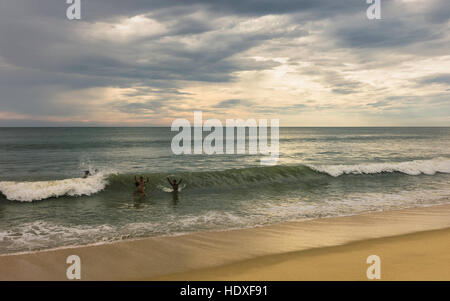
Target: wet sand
(418, 256)
(409, 243)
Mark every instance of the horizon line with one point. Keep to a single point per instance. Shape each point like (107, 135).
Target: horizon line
(160, 126)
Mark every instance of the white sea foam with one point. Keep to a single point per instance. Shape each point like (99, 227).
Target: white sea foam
(43, 235)
(169, 189)
(416, 167)
(40, 235)
(40, 190)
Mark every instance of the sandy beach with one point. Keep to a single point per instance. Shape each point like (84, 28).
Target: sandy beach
(418, 256)
(413, 244)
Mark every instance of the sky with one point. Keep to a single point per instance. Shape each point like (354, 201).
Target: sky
(146, 63)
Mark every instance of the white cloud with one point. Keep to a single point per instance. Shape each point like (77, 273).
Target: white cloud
(123, 30)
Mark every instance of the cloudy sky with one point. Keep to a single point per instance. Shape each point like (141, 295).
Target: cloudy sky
(305, 62)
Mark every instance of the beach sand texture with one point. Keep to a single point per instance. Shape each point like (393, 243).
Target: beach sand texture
(413, 244)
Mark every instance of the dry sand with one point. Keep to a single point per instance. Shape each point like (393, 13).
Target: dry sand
(413, 244)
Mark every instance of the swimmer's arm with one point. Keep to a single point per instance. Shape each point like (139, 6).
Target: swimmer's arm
(168, 180)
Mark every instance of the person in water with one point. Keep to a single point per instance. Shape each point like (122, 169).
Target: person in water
(141, 184)
(87, 173)
(174, 183)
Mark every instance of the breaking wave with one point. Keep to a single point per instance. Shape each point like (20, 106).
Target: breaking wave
(40, 190)
(413, 168)
(225, 179)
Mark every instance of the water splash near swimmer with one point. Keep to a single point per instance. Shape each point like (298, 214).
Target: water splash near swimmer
(169, 189)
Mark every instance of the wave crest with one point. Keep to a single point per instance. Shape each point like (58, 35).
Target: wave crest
(414, 168)
(40, 190)
(207, 180)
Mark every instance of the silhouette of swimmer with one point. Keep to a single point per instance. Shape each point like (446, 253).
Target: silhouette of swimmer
(174, 183)
(141, 184)
(87, 173)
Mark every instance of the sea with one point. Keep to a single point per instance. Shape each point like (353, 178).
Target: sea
(321, 172)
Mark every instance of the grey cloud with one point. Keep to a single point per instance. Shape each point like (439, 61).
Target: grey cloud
(379, 104)
(46, 55)
(437, 11)
(229, 103)
(284, 110)
(43, 123)
(403, 102)
(47, 49)
(342, 91)
(101, 9)
(259, 108)
(436, 79)
(385, 34)
(402, 24)
(145, 91)
(335, 80)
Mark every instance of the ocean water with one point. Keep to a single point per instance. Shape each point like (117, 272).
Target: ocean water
(322, 172)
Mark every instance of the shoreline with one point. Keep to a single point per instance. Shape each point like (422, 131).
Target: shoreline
(101, 243)
(211, 255)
